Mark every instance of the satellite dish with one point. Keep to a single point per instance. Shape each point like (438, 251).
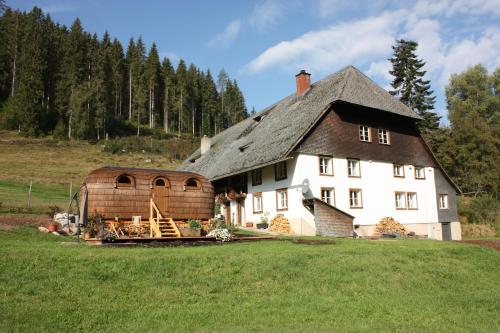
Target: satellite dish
(305, 186)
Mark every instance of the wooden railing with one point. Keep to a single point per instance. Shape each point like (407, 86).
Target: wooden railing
(154, 220)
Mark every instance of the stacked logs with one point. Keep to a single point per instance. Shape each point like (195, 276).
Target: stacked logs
(390, 226)
(280, 224)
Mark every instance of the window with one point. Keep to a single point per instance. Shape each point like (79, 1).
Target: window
(355, 199)
(400, 200)
(191, 184)
(328, 196)
(257, 202)
(257, 177)
(280, 171)
(325, 165)
(412, 200)
(399, 170)
(443, 201)
(383, 137)
(124, 181)
(353, 168)
(282, 199)
(419, 172)
(364, 134)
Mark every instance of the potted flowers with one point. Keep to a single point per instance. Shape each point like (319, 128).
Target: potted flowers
(263, 221)
(53, 227)
(194, 228)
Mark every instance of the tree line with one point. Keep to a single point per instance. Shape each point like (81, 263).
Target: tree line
(468, 148)
(70, 83)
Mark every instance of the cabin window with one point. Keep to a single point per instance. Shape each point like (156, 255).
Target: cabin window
(160, 182)
(353, 168)
(419, 172)
(325, 166)
(124, 181)
(400, 200)
(412, 200)
(280, 171)
(328, 196)
(355, 199)
(191, 184)
(257, 202)
(399, 170)
(256, 177)
(282, 199)
(443, 201)
(383, 137)
(364, 134)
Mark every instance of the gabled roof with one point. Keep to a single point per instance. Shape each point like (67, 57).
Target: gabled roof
(269, 136)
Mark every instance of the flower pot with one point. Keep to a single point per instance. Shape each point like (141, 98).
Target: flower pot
(195, 232)
(261, 225)
(87, 235)
(249, 224)
(52, 227)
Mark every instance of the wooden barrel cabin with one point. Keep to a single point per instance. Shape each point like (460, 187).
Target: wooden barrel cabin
(121, 193)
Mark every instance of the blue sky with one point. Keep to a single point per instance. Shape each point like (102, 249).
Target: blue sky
(263, 44)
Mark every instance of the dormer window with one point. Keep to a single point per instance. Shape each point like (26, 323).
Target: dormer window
(124, 181)
(419, 172)
(364, 133)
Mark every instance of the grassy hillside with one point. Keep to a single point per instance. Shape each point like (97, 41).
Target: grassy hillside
(53, 164)
(273, 286)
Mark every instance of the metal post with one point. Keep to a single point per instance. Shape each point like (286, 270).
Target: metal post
(29, 194)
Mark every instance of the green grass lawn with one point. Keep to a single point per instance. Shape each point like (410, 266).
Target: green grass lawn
(267, 286)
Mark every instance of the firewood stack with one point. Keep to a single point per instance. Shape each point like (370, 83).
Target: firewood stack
(280, 224)
(388, 226)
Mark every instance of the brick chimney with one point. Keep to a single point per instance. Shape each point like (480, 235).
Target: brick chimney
(303, 80)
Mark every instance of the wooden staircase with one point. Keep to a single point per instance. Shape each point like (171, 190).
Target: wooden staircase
(161, 227)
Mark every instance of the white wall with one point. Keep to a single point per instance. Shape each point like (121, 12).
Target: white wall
(378, 186)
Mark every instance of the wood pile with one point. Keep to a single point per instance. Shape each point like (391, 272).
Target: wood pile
(390, 226)
(280, 224)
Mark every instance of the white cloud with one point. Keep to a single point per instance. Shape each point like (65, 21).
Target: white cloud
(358, 42)
(229, 34)
(267, 13)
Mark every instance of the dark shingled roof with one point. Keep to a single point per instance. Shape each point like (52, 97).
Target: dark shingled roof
(269, 136)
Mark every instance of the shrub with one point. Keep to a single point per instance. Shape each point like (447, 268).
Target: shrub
(194, 224)
(484, 209)
(220, 234)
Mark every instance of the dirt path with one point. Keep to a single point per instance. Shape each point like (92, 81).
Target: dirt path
(10, 222)
(491, 243)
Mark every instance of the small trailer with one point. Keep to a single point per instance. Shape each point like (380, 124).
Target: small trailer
(147, 203)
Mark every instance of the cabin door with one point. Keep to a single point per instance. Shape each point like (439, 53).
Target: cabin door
(160, 194)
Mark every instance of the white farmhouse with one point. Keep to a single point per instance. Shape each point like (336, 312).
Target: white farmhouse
(334, 158)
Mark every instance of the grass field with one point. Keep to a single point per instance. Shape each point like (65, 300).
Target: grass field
(269, 286)
(52, 165)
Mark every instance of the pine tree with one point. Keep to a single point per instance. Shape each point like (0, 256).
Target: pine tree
(180, 95)
(223, 118)
(168, 85)
(409, 85)
(209, 105)
(119, 77)
(152, 74)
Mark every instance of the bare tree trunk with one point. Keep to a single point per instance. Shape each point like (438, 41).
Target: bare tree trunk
(130, 94)
(153, 108)
(180, 117)
(150, 111)
(192, 114)
(165, 111)
(138, 121)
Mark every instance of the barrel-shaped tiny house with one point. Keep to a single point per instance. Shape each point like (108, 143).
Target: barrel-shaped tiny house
(122, 194)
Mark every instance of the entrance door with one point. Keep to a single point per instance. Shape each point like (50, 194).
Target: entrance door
(239, 212)
(160, 194)
(446, 229)
(227, 213)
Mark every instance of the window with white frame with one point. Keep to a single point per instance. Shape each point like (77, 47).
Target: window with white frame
(325, 165)
(412, 200)
(328, 195)
(256, 177)
(364, 133)
(383, 136)
(280, 170)
(400, 200)
(419, 172)
(355, 200)
(443, 201)
(353, 168)
(399, 170)
(282, 199)
(257, 202)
